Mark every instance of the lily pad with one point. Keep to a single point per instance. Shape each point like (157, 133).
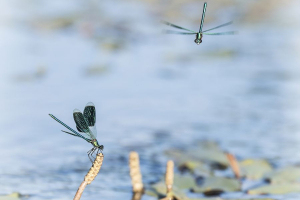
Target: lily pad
(217, 185)
(159, 190)
(151, 192)
(184, 182)
(12, 196)
(225, 199)
(205, 151)
(255, 169)
(204, 199)
(288, 174)
(195, 167)
(276, 189)
(209, 152)
(96, 70)
(177, 155)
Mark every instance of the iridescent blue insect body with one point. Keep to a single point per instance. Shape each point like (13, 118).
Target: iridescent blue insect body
(200, 33)
(85, 124)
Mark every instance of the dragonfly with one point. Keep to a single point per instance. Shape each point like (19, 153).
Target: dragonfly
(200, 33)
(85, 124)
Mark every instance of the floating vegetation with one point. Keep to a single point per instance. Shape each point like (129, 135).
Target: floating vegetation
(13, 196)
(255, 169)
(197, 173)
(286, 175)
(57, 23)
(96, 70)
(37, 74)
(276, 189)
(217, 185)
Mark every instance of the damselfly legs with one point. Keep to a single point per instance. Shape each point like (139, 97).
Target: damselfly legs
(90, 153)
(200, 33)
(85, 124)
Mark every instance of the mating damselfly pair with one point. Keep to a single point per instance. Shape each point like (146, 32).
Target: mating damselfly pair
(85, 124)
(200, 33)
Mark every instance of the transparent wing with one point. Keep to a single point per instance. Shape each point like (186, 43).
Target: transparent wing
(222, 33)
(82, 124)
(74, 133)
(203, 16)
(175, 26)
(226, 24)
(89, 114)
(178, 32)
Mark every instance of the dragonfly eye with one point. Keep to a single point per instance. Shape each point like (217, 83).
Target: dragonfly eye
(198, 41)
(101, 147)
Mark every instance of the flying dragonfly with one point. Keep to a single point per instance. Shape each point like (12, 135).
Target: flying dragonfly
(85, 124)
(200, 33)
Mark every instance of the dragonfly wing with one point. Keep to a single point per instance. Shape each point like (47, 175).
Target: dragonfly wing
(89, 114)
(203, 16)
(222, 33)
(226, 24)
(178, 32)
(79, 129)
(72, 130)
(175, 26)
(82, 124)
(93, 130)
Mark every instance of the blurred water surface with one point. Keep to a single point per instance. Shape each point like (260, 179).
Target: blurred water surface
(151, 91)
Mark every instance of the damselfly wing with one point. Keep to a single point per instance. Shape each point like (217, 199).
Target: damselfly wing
(85, 124)
(200, 33)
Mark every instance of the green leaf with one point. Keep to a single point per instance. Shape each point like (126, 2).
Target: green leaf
(226, 199)
(207, 152)
(254, 169)
(195, 167)
(218, 184)
(12, 196)
(161, 189)
(184, 182)
(276, 189)
(287, 174)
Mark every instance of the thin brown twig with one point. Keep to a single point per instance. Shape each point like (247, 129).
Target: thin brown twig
(234, 165)
(137, 195)
(90, 176)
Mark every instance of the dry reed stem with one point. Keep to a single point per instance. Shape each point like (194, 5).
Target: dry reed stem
(135, 173)
(137, 196)
(234, 165)
(90, 176)
(169, 178)
(80, 190)
(167, 198)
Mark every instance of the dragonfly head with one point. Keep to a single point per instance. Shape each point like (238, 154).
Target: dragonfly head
(198, 39)
(96, 144)
(101, 147)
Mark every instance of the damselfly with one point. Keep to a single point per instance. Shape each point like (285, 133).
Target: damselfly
(200, 33)
(85, 124)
